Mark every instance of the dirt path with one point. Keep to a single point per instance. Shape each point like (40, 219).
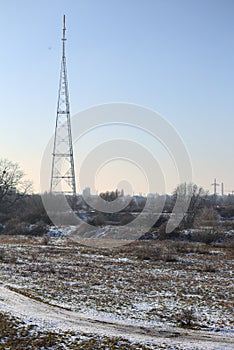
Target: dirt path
(56, 318)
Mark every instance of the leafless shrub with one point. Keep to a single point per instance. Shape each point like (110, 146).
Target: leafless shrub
(2, 254)
(99, 220)
(38, 229)
(34, 256)
(142, 250)
(15, 227)
(32, 210)
(150, 253)
(126, 219)
(209, 267)
(162, 234)
(45, 240)
(170, 257)
(187, 317)
(190, 247)
(229, 243)
(207, 236)
(207, 217)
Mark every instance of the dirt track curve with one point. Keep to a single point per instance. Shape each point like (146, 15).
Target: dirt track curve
(57, 318)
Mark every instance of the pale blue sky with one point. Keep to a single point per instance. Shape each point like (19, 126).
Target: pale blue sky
(173, 56)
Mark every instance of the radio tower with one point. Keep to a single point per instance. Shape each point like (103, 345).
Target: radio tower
(63, 172)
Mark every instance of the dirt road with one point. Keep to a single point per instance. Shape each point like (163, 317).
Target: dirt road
(56, 318)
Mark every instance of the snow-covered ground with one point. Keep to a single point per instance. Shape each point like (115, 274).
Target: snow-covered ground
(134, 291)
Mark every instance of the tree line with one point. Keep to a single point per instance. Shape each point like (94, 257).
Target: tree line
(20, 207)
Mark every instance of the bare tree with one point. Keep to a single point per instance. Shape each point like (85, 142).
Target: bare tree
(207, 217)
(12, 183)
(109, 196)
(197, 197)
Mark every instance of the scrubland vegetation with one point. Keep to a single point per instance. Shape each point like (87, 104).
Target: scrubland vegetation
(179, 284)
(182, 279)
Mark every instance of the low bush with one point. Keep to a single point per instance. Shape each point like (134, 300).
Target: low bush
(207, 236)
(187, 318)
(15, 227)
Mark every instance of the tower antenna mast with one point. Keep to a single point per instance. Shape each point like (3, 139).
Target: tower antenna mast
(63, 171)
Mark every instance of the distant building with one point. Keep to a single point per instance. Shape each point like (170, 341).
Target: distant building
(86, 192)
(152, 195)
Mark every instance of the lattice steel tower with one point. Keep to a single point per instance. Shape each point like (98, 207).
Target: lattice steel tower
(63, 172)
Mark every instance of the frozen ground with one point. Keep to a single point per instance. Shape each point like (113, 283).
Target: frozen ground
(139, 291)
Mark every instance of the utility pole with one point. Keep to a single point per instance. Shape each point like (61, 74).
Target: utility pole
(222, 189)
(215, 184)
(63, 172)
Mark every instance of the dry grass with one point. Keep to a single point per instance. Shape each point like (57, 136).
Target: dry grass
(149, 281)
(16, 335)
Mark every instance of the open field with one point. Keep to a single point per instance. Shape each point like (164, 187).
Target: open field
(144, 295)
